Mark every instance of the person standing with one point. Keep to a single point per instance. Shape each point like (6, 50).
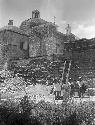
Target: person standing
(83, 89)
(72, 89)
(57, 89)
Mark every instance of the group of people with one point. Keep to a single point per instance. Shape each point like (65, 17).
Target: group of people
(79, 88)
(73, 87)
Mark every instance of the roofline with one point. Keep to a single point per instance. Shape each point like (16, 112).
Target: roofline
(15, 32)
(46, 22)
(36, 10)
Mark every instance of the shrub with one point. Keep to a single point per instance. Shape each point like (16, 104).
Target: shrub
(43, 112)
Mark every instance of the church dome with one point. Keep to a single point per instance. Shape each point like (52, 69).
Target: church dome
(32, 22)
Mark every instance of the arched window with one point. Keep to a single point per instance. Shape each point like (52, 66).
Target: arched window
(35, 14)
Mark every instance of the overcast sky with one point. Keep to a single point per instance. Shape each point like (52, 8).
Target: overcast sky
(80, 14)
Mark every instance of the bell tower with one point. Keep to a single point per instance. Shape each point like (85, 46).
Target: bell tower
(35, 14)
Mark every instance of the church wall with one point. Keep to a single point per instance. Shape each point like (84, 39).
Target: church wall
(60, 45)
(11, 48)
(2, 60)
(1, 36)
(46, 46)
(34, 47)
(54, 45)
(42, 49)
(50, 45)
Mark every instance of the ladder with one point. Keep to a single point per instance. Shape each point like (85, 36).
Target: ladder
(66, 71)
(64, 79)
(65, 76)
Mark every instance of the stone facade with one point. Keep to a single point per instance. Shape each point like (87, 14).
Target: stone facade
(34, 46)
(44, 39)
(44, 36)
(13, 44)
(34, 37)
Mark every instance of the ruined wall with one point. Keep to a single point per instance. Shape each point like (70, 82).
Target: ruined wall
(45, 39)
(34, 46)
(10, 45)
(13, 41)
(50, 43)
(54, 45)
(2, 57)
(42, 47)
(60, 45)
(46, 46)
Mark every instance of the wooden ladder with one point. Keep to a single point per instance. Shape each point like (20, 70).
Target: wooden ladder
(66, 71)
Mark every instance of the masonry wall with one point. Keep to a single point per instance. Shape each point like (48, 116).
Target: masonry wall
(10, 45)
(34, 46)
(50, 43)
(42, 47)
(46, 46)
(54, 45)
(14, 41)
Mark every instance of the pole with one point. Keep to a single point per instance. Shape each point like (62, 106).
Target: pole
(54, 19)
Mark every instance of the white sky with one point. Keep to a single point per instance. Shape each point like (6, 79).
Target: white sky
(80, 14)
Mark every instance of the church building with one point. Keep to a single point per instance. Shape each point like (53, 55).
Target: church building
(34, 37)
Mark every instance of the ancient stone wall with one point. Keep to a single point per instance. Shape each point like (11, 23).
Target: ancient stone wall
(13, 44)
(50, 45)
(47, 46)
(34, 46)
(54, 45)
(45, 39)
(10, 45)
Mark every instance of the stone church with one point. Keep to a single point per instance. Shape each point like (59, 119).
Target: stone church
(34, 37)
